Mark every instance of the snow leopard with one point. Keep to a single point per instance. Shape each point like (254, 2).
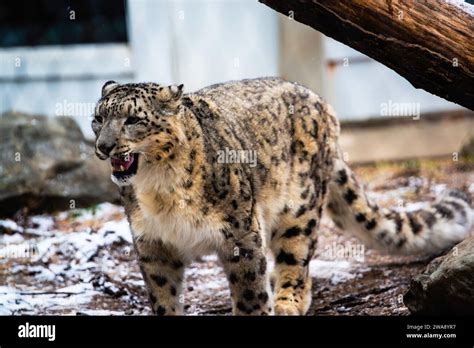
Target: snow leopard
(245, 170)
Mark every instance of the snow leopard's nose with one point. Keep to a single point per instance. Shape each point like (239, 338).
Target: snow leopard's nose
(107, 140)
(103, 149)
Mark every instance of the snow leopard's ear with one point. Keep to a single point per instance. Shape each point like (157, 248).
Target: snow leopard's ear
(108, 87)
(176, 91)
(170, 93)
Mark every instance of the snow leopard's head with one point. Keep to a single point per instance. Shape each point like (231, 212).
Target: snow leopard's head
(136, 124)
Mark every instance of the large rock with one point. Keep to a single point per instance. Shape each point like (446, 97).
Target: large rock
(47, 164)
(447, 284)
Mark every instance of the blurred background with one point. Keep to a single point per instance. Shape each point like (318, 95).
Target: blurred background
(55, 55)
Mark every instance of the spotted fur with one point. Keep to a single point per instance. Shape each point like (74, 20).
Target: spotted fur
(183, 202)
(442, 224)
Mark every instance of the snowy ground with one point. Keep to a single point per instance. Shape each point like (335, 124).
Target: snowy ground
(81, 262)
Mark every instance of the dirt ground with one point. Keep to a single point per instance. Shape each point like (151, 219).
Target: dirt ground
(80, 262)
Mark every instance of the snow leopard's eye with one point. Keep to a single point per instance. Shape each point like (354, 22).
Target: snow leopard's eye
(132, 120)
(99, 119)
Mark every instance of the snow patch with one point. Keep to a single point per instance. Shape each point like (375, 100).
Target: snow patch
(411, 207)
(10, 225)
(11, 239)
(43, 223)
(438, 189)
(65, 263)
(336, 271)
(119, 229)
(13, 300)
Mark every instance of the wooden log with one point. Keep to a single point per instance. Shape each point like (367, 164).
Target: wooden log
(428, 42)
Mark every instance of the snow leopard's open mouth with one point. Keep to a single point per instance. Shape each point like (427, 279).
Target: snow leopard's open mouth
(124, 167)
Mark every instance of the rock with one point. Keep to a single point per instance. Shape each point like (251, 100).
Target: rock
(47, 164)
(447, 284)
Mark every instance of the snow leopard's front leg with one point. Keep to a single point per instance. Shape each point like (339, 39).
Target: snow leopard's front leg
(245, 264)
(161, 267)
(162, 271)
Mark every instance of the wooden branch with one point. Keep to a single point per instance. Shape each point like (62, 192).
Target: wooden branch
(428, 42)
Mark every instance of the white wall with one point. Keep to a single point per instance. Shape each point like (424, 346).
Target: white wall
(58, 80)
(357, 89)
(202, 42)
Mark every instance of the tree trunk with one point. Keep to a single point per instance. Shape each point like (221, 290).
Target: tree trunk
(428, 42)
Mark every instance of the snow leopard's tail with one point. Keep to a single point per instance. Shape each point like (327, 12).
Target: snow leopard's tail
(431, 230)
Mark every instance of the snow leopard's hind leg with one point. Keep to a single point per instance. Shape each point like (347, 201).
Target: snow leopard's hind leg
(293, 244)
(293, 238)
